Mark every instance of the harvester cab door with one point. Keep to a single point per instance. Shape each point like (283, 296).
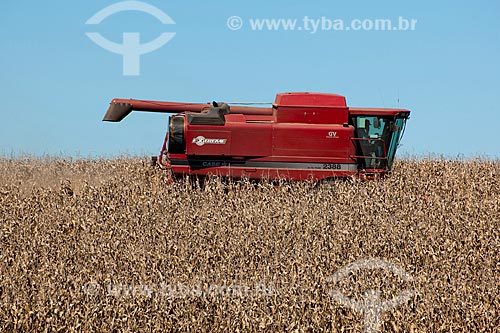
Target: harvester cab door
(377, 138)
(371, 138)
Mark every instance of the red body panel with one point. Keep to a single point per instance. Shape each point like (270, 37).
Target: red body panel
(310, 99)
(312, 141)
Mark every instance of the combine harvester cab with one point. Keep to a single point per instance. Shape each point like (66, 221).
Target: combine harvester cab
(303, 136)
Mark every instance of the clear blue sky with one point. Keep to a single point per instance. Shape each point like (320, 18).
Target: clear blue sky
(55, 83)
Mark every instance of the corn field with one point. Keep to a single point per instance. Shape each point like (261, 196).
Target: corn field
(112, 245)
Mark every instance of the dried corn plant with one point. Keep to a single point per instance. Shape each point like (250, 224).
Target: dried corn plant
(112, 245)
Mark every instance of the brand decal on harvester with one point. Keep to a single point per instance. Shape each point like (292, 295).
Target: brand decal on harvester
(201, 140)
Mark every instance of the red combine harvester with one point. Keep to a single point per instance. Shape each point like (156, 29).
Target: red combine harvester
(303, 136)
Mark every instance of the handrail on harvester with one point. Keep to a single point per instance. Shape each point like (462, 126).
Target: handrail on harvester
(370, 157)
